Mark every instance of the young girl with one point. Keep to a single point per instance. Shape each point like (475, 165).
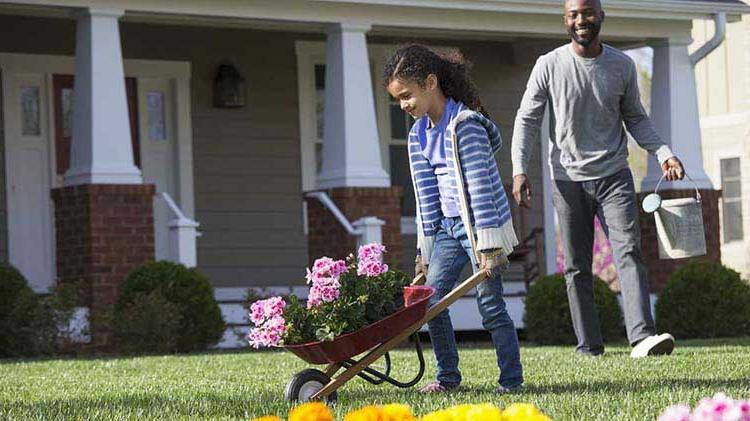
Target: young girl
(462, 209)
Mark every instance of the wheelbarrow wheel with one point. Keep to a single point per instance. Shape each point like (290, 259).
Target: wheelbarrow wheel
(305, 384)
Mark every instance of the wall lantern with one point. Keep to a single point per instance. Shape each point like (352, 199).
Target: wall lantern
(229, 87)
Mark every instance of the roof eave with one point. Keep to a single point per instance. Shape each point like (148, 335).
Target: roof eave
(658, 9)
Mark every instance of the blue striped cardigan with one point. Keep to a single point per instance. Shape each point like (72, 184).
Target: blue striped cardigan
(483, 203)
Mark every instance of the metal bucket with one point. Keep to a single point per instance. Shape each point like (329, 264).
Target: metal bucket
(679, 224)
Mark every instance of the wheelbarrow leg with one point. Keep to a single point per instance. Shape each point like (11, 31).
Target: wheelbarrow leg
(381, 349)
(332, 369)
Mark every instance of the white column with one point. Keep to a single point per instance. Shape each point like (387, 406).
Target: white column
(674, 111)
(101, 152)
(550, 219)
(351, 150)
(371, 229)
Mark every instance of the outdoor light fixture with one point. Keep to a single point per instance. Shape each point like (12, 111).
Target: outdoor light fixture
(229, 87)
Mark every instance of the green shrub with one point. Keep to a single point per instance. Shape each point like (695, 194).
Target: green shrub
(140, 335)
(704, 300)
(547, 318)
(29, 323)
(196, 311)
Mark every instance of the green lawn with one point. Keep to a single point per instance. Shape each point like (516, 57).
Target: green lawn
(242, 385)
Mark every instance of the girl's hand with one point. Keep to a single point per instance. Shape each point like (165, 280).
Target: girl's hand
(419, 266)
(493, 262)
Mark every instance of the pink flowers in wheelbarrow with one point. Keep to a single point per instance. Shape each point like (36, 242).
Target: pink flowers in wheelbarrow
(719, 408)
(344, 296)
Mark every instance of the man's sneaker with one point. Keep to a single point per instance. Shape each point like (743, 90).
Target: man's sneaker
(502, 390)
(436, 387)
(654, 345)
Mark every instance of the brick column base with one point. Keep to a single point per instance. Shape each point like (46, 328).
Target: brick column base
(326, 236)
(103, 232)
(659, 270)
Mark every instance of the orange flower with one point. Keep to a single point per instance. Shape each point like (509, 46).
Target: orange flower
(367, 413)
(312, 411)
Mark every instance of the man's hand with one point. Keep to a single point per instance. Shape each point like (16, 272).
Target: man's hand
(419, 266)
(493, 262)
(522, 191)
(672, 168)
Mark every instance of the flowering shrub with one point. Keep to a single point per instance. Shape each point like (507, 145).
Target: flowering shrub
(719, 408)
(317, 411)
(345, 295)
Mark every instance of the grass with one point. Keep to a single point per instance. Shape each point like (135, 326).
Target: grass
(242, 385)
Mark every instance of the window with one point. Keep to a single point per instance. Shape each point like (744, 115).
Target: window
(731, 207)
(398, 154)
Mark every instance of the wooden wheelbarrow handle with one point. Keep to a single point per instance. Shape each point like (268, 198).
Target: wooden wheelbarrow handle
(419, 279)
(381, 349)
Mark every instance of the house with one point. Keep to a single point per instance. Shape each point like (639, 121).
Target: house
(723, 83)
(226, 113)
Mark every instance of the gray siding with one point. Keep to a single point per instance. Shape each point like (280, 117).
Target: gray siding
(246, 161)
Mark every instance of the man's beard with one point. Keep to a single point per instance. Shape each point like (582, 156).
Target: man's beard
(585, 42)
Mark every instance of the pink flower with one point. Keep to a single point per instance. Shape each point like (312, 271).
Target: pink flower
(323, 290)
(372, 251)
(371, 268)
(266, 309)
(675, 413)
(710, 409)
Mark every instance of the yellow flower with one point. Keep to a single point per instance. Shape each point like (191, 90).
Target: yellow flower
(523, 412)
(459, 412)
(367, 413)
(441, 415)
(312, 411)
(484, 412)
(268, 418)
(397, 412)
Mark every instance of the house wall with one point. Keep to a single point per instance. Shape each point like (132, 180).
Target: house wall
(723, 82)
(246, 161)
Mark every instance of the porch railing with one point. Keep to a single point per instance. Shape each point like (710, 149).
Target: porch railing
(183, 232)
(368, 229)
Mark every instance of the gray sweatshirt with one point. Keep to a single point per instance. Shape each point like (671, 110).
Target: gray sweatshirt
(590, 99)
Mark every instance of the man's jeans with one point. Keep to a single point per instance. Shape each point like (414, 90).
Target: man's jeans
(613, 199)
(451, 252)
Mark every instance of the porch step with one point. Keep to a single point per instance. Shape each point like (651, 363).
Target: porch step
(464, 312)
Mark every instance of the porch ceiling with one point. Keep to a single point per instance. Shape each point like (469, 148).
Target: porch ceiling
(629, 20)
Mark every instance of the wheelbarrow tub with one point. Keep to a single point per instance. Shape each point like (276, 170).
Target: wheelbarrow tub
(346, 346)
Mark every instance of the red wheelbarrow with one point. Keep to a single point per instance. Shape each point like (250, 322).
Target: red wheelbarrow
(374, 341)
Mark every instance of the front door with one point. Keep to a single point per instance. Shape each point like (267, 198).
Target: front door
(28, 177)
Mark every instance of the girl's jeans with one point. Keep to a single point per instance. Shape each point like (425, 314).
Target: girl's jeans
(451, 252)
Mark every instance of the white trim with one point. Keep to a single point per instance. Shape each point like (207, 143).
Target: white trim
(408, 225)
(725, 120)
(659, 9)
(288, 11)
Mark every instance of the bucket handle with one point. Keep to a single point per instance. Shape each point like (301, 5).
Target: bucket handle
(695, 186)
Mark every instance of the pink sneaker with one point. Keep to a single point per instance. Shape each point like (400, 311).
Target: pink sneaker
(436, 387)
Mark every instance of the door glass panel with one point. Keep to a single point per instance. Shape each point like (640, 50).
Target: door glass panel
(30, 111)
(157, 127)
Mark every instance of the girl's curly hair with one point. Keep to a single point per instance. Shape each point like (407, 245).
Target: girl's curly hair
(414, 62)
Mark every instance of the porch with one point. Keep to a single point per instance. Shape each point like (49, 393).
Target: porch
(241, 173)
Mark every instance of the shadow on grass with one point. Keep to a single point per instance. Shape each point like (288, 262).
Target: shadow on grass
(125, 357)
(575, 387)
(147, 406)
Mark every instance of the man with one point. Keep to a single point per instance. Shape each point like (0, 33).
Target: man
(592, 90)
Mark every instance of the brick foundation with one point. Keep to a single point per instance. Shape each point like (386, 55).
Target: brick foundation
(326, 236)
(103, 231)
(659, 270)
